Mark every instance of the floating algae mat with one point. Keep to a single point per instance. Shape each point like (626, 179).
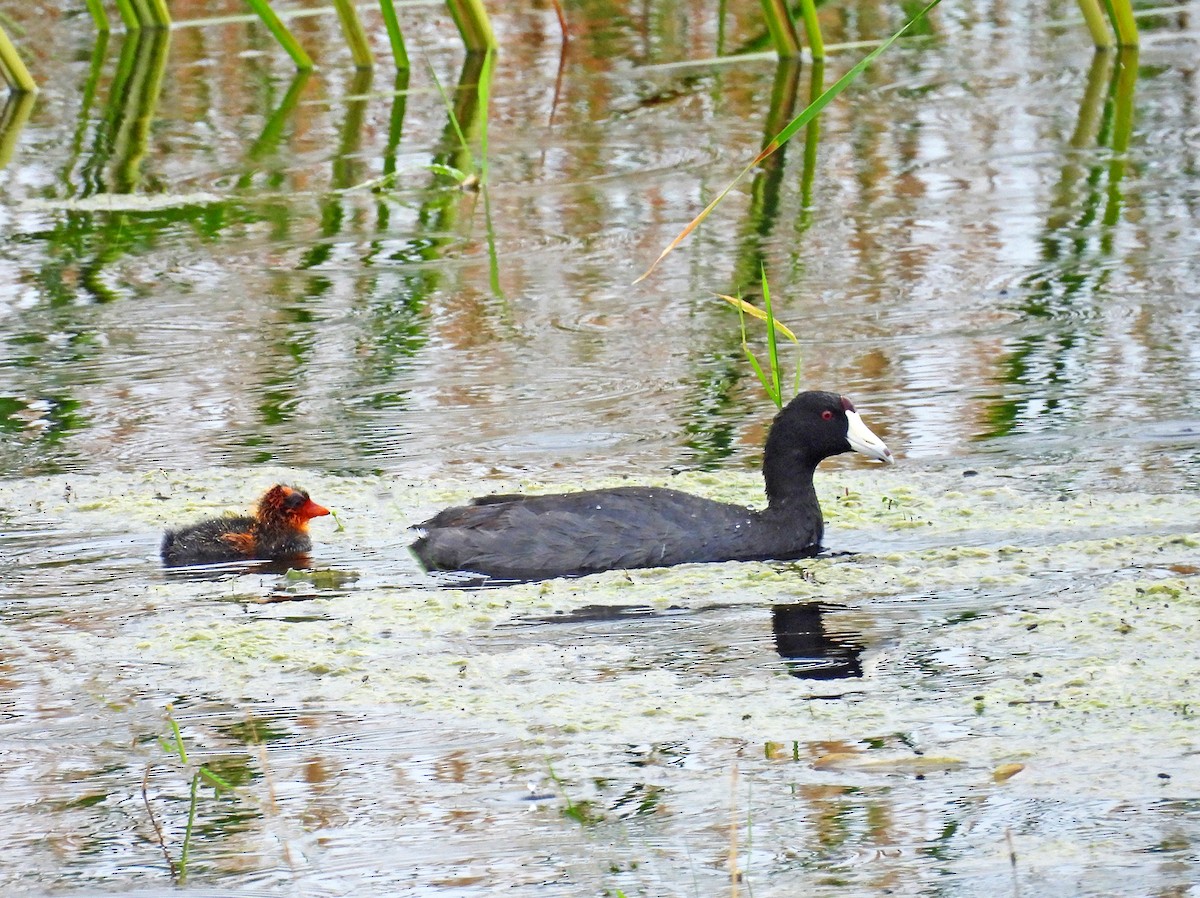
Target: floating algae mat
(942, 562)
(1024, 656)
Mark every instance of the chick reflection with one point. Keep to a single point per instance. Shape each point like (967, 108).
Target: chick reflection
(810, 653)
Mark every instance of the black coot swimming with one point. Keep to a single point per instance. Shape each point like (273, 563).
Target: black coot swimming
(517, 537)
(277, 531)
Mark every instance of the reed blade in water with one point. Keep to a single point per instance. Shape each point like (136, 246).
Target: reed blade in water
(174, 746)
(772, 348)
(395, 35)
(282, 35)
(770, 379)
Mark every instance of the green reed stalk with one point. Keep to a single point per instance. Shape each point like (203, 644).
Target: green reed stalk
(1123, 90)
(129, 15)
(1093, 15)
(812, 29)
(99, 16)
(141, 10)
(13, 69)
(781, 28)
(352, 30)
(1123, 20)
(12, 120)
(281, 33)
(395, 35)
(160, 16)
(472, 20)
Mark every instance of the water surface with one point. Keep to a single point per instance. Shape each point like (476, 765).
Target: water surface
(243, 276)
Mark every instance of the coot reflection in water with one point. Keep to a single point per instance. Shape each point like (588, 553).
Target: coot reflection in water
(810, 652)
(519, 537)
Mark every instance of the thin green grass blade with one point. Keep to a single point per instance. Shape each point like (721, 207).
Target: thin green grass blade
(772, 347)
(493, 255)
(214, 780)
(799, 365)
(746, 344)
(810, 112)
(742, 307)
(178, 748)
(738, 304)
(187, 834)
(770, 385)
(762, 377)
(462, 138)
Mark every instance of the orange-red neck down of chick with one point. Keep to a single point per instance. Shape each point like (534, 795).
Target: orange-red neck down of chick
(288, 508)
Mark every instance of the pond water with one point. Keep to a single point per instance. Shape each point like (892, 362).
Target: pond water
(216, 275)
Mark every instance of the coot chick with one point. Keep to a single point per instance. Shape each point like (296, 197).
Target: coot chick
(278, 531)
(517, 537)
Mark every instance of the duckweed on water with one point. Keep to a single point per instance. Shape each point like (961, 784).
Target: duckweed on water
(1054, 637)
(1042, 578)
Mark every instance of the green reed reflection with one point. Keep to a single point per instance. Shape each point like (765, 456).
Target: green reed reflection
(1076, 246)
(13, 116)
(765, 186)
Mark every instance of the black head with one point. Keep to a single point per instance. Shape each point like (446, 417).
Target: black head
(809, 429)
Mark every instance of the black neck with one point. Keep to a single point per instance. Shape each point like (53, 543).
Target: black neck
(789, 481)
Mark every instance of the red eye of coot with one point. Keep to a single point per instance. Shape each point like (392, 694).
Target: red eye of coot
(827, 415)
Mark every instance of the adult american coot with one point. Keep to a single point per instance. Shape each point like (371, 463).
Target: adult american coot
(277, 531)
(519, 537)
